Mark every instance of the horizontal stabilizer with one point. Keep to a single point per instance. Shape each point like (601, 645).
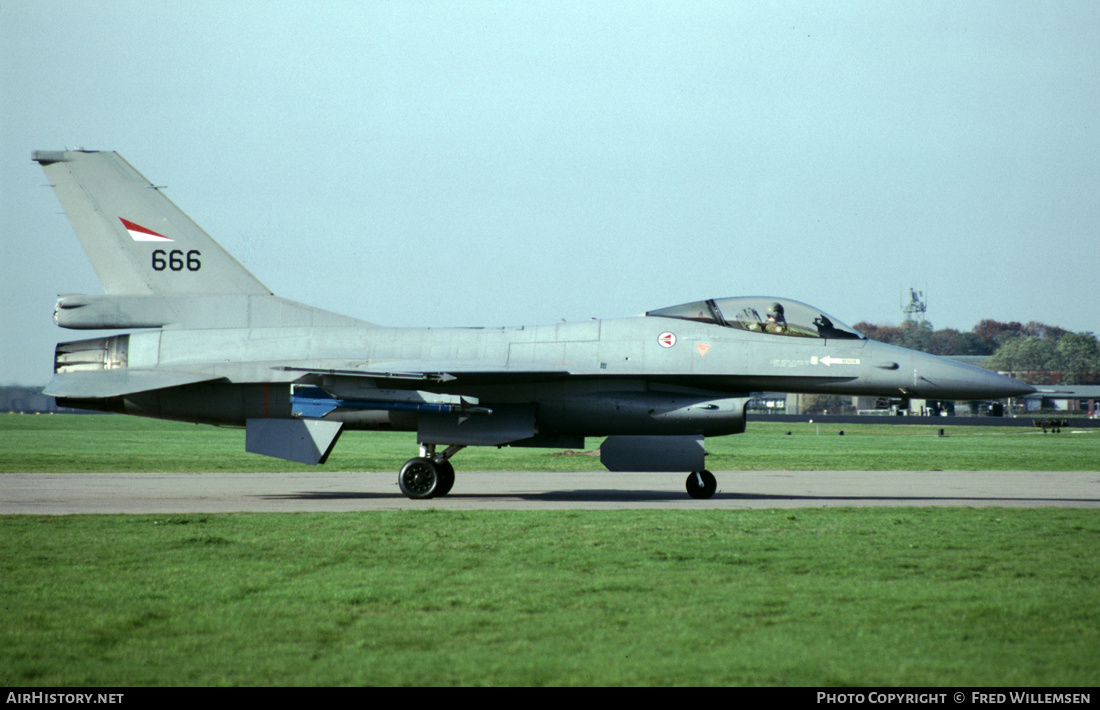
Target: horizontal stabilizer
(115, 383)
(308, 441)
(83, 312)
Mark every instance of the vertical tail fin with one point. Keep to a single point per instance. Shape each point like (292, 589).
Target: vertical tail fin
(138, 241)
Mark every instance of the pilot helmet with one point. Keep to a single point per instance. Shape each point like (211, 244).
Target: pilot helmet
(776, 311)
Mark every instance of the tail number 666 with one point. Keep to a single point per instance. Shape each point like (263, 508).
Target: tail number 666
(176, 260)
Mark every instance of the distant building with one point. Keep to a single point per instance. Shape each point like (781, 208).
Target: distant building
(768, 403)
(1066, 398)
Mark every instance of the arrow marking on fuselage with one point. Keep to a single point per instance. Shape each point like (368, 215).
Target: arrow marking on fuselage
(829, 360)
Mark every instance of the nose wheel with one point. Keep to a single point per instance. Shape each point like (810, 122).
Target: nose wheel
(701, 484)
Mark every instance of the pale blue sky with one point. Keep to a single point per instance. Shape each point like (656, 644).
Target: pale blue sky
(483, 163)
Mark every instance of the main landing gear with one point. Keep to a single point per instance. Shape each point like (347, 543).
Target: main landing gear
(430, 474)
(701, 484)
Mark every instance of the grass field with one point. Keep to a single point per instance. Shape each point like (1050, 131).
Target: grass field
(885, 597)
(869, 596)
(98, 443)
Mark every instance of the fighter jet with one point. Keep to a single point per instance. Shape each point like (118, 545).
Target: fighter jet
(211, 344)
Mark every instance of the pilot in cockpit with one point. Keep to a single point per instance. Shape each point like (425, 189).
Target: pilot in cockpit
(777, 323)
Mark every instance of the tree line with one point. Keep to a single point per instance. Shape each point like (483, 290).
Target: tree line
(1035, 353)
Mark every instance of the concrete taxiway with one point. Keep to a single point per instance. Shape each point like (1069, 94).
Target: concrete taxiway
(152, 493)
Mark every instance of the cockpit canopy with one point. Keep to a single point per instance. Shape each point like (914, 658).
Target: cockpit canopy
(778, 316)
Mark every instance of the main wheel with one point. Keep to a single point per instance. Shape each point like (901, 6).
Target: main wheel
(419, 478)
(701, 484)
(446, 478)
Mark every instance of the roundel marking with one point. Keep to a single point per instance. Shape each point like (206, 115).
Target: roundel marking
(666, 339)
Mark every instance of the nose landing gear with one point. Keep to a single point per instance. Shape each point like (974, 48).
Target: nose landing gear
(701, 484)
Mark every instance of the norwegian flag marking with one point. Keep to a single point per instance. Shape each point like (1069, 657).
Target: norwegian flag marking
(142, 234)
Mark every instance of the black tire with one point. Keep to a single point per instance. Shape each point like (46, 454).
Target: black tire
(704, 491)
(446, 478)
(419, 478)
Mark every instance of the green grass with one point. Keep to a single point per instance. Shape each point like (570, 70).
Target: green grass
(103, 443)
(882, 597)
(868, 596)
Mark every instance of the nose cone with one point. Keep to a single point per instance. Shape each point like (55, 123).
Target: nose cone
(939, 378)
